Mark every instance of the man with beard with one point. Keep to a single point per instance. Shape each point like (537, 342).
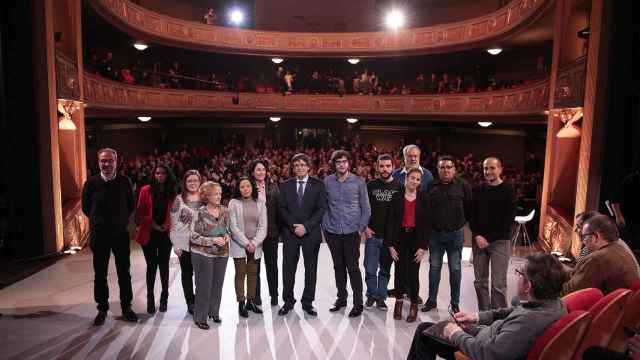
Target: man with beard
(381, 192)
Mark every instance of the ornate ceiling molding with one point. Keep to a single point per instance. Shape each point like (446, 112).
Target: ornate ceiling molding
(102, 94)
(480, 31)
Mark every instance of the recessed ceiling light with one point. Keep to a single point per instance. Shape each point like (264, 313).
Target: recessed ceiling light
(353, 61)
(144, 118)
(494, 50)
(277, 60)
(352, 120)
(140, 46)
(485, 123)
(275, 118)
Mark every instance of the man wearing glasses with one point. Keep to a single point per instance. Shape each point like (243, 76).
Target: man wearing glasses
(506, 333)
(610, 264)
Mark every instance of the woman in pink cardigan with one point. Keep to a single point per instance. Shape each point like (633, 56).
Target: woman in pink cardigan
(154, 220)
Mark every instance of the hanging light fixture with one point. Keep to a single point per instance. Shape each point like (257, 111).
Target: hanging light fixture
(352, 120)
(66, 108)
(277, 60)
(485, 124)
(494, 50)
(275, 118)
(570, 130)
(353, 61)
(144, 118)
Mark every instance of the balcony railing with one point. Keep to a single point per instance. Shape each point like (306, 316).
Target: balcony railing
(102, 94)
(478, 31)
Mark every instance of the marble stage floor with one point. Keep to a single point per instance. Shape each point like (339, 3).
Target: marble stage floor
(49, 316)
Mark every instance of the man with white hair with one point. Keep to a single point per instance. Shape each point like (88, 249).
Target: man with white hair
(411, 155)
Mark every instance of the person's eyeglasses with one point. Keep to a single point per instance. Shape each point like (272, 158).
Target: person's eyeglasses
(584, 236)
(519, 272)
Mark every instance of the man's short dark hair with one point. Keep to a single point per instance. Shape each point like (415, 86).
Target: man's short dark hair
(339, 154)
(301, 156)
(445, 158)
(603, 225)
(383, 157)
(546, 274)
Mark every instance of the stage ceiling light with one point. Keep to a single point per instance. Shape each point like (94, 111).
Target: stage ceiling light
(485, 123)
(494, 50)
(277, 60)
(144, 118)
(275, 118)
(140, 46)
(353, 61)
(395, 19)
(236, 16)
(352, 120)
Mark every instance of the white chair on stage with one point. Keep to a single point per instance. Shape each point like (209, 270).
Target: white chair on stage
(521, 227)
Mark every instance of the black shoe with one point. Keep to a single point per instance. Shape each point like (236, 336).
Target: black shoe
(242, 310)
(274, 301)
(338, 305)
(203, 326)
(356, 311)
(163, 306)
(258, 302)
(151, 308)
(310, 310)
(370, 302)
(429, 306)
(100, 318)
(284, 310)
(190, 309)
(420, 302)
(382, 305)
(455, 308)
(129, 315)
(216, 319)
(252, 306)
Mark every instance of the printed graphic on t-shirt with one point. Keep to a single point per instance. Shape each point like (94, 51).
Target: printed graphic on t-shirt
(384, 195)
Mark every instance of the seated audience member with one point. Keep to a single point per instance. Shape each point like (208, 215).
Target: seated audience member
(610, 264)
(506, 333)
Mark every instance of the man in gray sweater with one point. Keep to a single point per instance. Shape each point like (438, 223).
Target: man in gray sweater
(507, 333)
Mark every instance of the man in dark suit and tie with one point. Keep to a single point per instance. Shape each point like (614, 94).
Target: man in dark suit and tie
(302, 205)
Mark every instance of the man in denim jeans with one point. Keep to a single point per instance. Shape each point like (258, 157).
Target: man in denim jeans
(450, 198)
(381, 193)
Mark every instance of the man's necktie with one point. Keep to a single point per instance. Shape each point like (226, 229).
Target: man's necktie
(300, 192)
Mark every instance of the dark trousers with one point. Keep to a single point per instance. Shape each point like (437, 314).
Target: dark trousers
(102, 245)
(407, 270)
(424, 348)
(345, 252)
(186, 272)
(157, 253)
(290, 256)
(600, 353)
(270, 255)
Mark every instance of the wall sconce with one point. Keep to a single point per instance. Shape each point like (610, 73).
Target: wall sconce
(570, 117)
(67, 108)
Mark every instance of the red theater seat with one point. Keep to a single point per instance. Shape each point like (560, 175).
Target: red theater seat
(630, 320)
(606, 316)
(582, 299)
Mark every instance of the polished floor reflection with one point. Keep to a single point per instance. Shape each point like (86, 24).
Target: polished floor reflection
(49, 316)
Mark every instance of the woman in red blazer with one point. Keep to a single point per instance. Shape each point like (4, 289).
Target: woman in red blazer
(154, 220)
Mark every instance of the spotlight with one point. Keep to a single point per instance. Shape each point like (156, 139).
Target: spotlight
(394, 19)
(275, 118)
(352, 120)
(236, 16)
(353, 61)
(277, 60)
(140, 46)
(144, 118)
(485, 123)
(494, 50)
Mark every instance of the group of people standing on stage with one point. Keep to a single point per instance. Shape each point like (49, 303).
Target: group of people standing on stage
(402, 216)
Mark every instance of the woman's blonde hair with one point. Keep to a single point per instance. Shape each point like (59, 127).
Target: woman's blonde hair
(206, 189)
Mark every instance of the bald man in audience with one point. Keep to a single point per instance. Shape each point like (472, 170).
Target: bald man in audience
(610, 264)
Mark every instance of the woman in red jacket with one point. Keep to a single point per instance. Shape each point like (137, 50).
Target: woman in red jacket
(154, 220)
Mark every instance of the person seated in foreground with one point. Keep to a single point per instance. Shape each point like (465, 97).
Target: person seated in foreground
(507, 333)
(610, 264)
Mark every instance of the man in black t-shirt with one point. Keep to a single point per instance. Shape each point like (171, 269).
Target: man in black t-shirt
(493, 211)
(376, 256)
(107, 199)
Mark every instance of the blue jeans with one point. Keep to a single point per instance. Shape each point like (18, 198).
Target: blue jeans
(375, 253)
(451, 243)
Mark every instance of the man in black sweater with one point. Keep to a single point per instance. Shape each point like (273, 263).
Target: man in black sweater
(381, 193)
(492, 215)
(107, 200)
